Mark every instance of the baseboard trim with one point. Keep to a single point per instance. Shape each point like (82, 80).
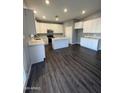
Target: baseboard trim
(75, 43)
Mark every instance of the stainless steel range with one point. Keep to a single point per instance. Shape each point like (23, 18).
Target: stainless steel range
(50, 35)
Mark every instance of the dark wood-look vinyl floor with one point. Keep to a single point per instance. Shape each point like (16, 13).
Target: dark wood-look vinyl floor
(68, 70)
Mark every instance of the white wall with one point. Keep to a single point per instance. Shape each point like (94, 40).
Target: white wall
(92, 16)
(24, 77)
(26, 57)
(43, 27)
(28, 22)
(28, 29)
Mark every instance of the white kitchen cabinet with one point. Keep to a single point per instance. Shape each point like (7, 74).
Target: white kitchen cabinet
(79, 25)
(98, 25)
(91, 43)
(36, 51)
(59, 28)
(38, 28)
(92, 26)
(87, 27)
(43, 27)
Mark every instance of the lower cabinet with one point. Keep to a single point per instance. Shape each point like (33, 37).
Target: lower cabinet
(37, 53)
(90, 43)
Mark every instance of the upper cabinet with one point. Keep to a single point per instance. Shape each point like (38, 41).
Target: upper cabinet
(57, 28)
(98, 25)
(92, 26)
(79, 25)
(37, 27)
(43, 27)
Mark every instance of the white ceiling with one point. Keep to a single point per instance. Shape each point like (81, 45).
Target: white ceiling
(56, 7)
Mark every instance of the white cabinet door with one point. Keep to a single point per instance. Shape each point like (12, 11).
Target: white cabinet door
(92, 26)
(78, 25)
(38, 28)
(50, 26)
(59, 28)
(98, 25)
(37, 53)
(87, 26)
(43, 27)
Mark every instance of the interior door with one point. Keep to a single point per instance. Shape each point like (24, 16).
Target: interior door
(68, 33)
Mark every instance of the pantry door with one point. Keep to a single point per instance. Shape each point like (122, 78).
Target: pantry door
(68, 33)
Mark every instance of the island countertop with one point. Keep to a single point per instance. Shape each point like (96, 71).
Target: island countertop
(59, 38)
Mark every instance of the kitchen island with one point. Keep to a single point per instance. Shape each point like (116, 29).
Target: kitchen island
(60, 42)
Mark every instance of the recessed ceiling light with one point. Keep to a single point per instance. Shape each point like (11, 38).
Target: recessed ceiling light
(47, 2)
(35, 11)
(44, 17)
(83, 11)
(65, 10)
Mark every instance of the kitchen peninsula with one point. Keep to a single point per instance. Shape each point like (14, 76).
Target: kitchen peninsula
(36, 50)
